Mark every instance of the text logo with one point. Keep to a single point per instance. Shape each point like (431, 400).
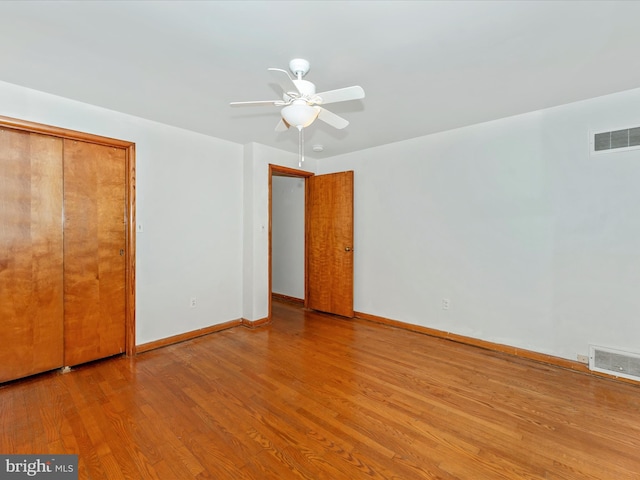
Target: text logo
(45, 467)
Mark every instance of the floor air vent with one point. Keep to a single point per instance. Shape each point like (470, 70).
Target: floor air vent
(614, 362)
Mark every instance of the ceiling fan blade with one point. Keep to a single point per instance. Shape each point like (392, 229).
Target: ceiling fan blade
(277, 103)
(339, 95)
(331, 118)
(282, 126)
(287, 84)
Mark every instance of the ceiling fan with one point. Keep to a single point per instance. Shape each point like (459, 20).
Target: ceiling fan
(301, 104)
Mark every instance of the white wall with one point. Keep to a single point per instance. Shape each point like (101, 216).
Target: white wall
(189, 202)
(287, 236)
(257, 158)
(535, 242)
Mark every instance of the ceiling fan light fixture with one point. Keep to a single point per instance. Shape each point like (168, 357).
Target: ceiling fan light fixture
(299, 115)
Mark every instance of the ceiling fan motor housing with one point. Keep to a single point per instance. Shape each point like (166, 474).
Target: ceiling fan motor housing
(306, 88)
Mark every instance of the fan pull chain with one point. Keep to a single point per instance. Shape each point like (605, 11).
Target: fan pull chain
(300, 146)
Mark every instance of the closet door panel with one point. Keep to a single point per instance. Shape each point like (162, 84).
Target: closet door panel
(31, 254)
(94, 246)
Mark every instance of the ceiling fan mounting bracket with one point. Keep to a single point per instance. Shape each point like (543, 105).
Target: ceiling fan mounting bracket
(299, 67)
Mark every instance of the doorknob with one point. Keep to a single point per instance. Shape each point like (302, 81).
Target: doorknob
(347, 249)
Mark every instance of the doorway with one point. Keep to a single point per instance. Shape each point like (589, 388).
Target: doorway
(328, 239)
(276, 254)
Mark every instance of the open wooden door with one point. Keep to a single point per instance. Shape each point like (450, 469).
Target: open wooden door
(329, 230)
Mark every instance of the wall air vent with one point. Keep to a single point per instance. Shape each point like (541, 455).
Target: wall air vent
(614, 362)
(616, 140)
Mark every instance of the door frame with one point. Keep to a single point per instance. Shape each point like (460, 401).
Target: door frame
(130, 204)
(280, 171)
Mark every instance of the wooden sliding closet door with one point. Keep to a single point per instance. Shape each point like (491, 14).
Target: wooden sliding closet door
(31, 285)
(94, 251)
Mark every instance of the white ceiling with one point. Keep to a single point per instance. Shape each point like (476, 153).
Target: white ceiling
(425, 66)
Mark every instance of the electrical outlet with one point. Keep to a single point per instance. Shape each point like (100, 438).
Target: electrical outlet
(583, 358)
(193, 302)
(446, 304)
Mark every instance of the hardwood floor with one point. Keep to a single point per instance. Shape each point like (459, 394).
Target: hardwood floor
(318, 397)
